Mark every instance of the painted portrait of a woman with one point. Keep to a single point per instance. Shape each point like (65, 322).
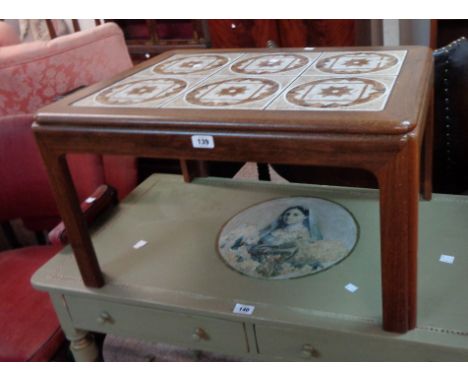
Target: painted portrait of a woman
(287, 238)
(280, 242)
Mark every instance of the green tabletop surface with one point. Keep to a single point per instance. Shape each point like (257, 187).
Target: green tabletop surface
(180, 269)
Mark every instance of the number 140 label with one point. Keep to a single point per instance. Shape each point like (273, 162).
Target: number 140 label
(203, 141)
(243, 309)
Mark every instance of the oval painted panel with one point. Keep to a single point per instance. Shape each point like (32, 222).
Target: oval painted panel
(288, 237)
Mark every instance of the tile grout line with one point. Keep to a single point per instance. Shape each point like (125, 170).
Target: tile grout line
(393, 76)
(292, 81)
(201, 81)
(232, 61)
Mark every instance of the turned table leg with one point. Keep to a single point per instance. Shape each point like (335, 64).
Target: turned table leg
(399, 195)
(82, 344)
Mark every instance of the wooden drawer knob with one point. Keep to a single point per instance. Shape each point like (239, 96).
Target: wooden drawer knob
(199, 335)
(308, 351)
(104, 318)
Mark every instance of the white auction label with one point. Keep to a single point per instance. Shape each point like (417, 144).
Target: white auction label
(244, 309)
(139, 244)
(351, 287)
(203, 141)
(446, 259)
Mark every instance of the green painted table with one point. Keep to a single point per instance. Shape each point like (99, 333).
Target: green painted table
(177, 290)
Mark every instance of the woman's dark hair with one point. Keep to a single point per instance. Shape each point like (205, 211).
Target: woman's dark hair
(305, 211)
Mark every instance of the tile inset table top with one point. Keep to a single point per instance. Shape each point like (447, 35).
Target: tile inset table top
(371, 90)
(359, 81)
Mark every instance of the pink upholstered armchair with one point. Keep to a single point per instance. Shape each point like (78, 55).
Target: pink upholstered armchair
(33, 75)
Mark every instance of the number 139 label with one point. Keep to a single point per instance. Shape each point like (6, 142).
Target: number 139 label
(203, 141)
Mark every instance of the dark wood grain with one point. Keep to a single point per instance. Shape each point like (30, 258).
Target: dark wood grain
(428, 151)
(331, 33)
(293, 33)
(242, 33)
(286, 33)
(76, 25)
(51, 29)
(70, 211)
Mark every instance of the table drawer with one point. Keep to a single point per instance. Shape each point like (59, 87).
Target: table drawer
(312, 344)
(194, 331)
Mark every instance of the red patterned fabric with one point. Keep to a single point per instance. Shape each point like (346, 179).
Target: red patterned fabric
(25, 190)
(29, 328)
(31, 76)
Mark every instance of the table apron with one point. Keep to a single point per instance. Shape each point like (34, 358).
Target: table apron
(362, 151)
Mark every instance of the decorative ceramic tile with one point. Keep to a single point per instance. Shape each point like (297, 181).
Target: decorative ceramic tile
(320, 81)
(287, 238)
(190, 65)
(272, 64)
(358, 63)
(139, 92)
(335, 93)
(227, 92)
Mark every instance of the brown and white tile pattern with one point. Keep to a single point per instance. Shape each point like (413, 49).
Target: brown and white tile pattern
(140, 91)
(335, 93)
(273, 64)
(203, 65)
(358, 63)
(306, 80)
(137, 92)
(232, 92)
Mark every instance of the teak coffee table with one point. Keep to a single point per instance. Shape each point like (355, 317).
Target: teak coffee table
(368, 108)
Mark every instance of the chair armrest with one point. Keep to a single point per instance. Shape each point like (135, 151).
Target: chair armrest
(101, 200)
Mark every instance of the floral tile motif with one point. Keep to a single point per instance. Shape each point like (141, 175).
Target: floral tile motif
(304, 80)
(226, 92)
(335, 93)
(139, 92)
(287, 238)
(190, 65)
(358, 63)
(233, 91)
(271, 64)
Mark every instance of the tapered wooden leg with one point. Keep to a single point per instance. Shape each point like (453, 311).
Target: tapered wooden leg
(69, 208)
(414, 170)
(399, 194)
(193, 169)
